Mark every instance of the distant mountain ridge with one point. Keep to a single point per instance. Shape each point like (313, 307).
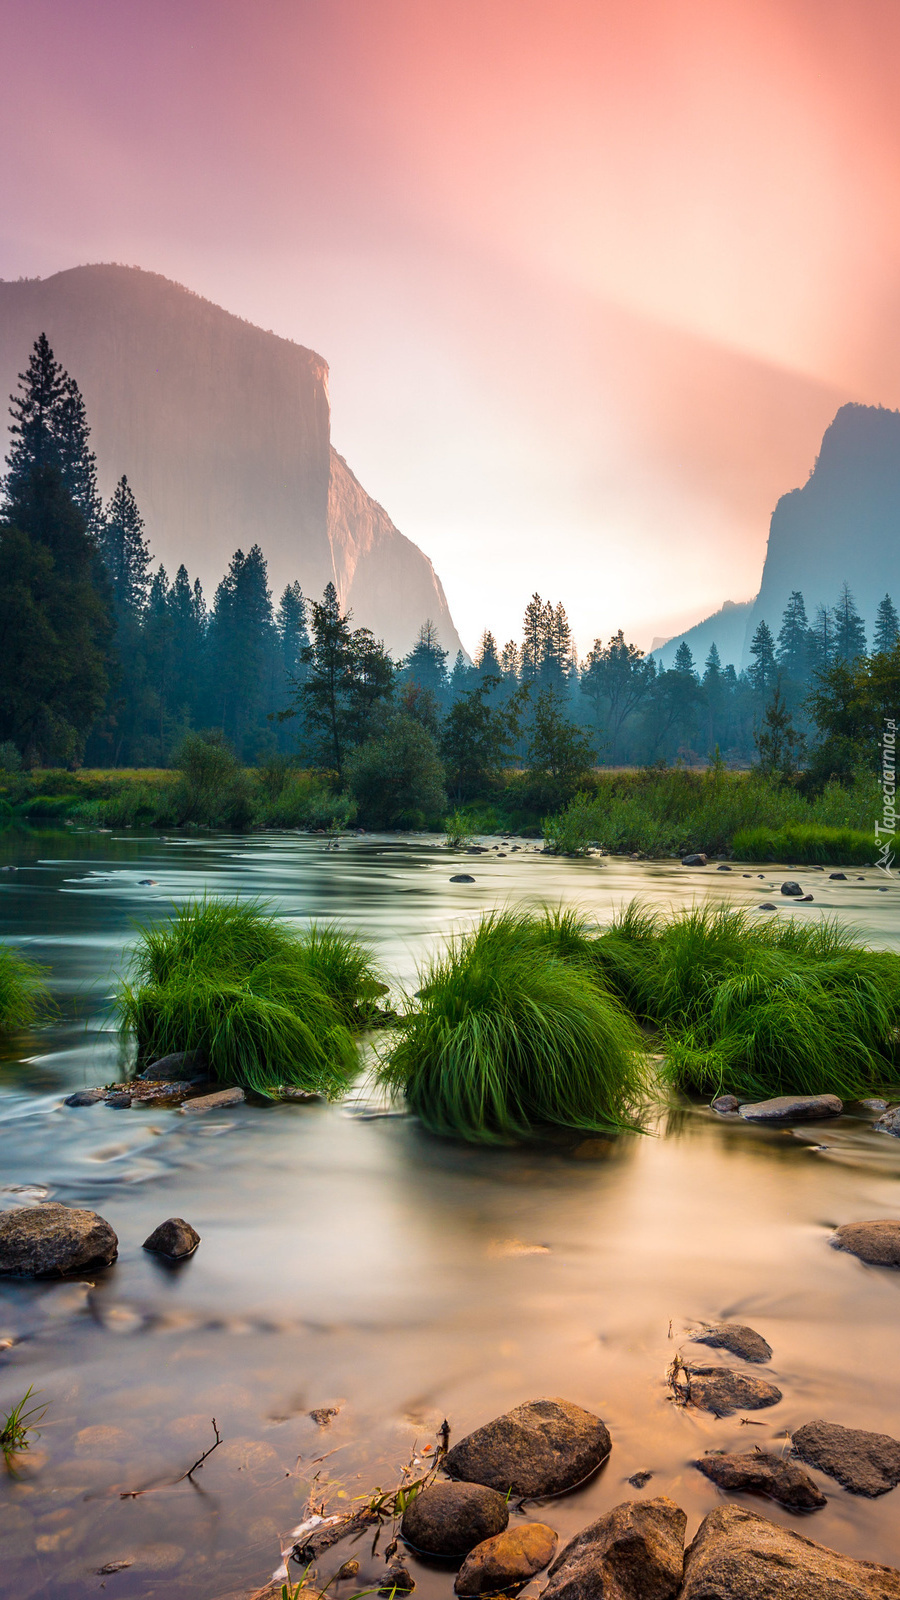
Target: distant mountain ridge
(224, 432)
(725, 629)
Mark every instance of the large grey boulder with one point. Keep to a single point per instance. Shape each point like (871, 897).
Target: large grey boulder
(760, 1473)
(634, 1552)
(539, 1448)
(51, 1240)
(508, 1560)
(450, 1519)
(865, 1463)
(723, 1390)
(877, 1243)
(737, 1555)
(793, 1108)
(738, 1339)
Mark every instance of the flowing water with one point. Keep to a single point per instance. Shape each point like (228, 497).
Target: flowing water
(349, 1262)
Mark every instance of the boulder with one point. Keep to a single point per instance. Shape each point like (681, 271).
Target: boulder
(723, 1390)
(174, 1239)
(864, 1463)
(838, 875)
(185, 1065)
(793, 1108)
(450, 1519)
(767, 906)
(50, 1240)
(877, 1243)
(723, 867)
(889, 1122)
(215, 1102)
(85, 1097)
(634, 1552)
(737, 1555)
(760, 1473)
(397, 1579)
(738, 1339)
(507, 1560)
(874, 1105)
(791, 888)
(539, 1448)
(726, 1103)
(698, 860)
(147, 1093)
(119, 1099)
(462, 877)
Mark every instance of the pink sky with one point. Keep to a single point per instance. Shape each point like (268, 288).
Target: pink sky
(591, 277)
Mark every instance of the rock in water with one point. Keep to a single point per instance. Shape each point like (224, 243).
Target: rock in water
(396, 1580)
(462, 877)
(507, 1560)
(450, 1519)
(215, 1102)
(697, 860)
(184, 1066)
(85, 1097)
(864, 1463)
(50, 1240)
(734, 1336)
(791, 888)
(539, 1448)
(634, 1552)
(782, 1480)
(725, 1104)
(722, 1390)
(877, 1243)
(737, 1555)
(174, 1238)
(888, 1123)
(836, 875)
(793, 1108)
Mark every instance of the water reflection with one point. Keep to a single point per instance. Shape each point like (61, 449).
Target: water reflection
(352, 1265)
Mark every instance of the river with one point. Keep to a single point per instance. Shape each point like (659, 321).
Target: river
(350, 1262)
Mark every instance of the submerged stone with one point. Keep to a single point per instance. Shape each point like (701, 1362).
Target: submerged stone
(865, 1463)
(723, 1390)
(215, 1102)
(462, 877)
(85, 1097)
(760, 1473)
(51, 1240)
(793, 1108)
(539, 1448)
(736, 1337)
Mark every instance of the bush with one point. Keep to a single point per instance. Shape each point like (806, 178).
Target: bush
(214, 789)
(837, 847)
(510, 1040)
(267, 1005)
(23, 993)
(397, 780)
(10, 760)
(573, 831)
(301, 800)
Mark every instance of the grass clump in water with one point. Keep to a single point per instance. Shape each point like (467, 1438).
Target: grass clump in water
(23, 993)
(804, 842)
(511, 1038)
(267, 1005)
(759, 1008)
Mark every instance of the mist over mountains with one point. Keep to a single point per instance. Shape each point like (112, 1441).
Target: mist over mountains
(224, 433)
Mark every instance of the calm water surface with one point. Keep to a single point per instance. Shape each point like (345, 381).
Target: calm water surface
(350, 1261)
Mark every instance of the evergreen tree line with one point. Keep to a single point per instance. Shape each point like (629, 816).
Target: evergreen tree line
(102, 659)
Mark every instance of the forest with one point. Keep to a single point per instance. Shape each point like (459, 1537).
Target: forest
(106, 663)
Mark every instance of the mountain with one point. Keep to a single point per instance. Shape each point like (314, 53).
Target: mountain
(224, 432)
(725, 629)
(843, 524)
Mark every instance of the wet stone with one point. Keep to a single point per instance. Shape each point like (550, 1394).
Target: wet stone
(767, 906)
(118, 1099)
(151, 1093)
(874, 1105)
(725, 1104)
(50, 1240)
(865, 1463)
(737, 1555)
(84, 1097)
(634, 1552)
(174, 1239)
(696, 860)
(736, 1338)
(760, 1473)
(889, 1122)
(723, 868)
(723, 1390)
(835, 876)
(396, 1580)
(215, 1102)
(450, 1519)
(876, 1243)
(184, 1065)
(462, 877)
(639, 1480)
(507, 1560)
(791, 888)
(793, 1108)
(543, 1447)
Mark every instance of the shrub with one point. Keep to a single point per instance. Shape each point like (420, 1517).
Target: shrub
(10, 760)
(573, 830)
(266, 1004)
(214, 789)
(510, 1040)
(397, 780)
(23, 993)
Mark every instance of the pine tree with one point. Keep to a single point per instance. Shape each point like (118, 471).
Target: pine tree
(822, 640)
(77, 461)
(535, 634)
(850, 632)
(558, 649)
(426, 663)
(347, 674)
(242, 651)
(487, 660)
(615, 680)
(460, 677)
(293, 635)
(684, 661)
(511, 661)
(764, 671)
(124, 547)
(887, 627)
(793, 651)
(49, 428)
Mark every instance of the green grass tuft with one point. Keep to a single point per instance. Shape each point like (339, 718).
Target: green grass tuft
(510, 1039)
(23, 993)
(805, 842)
(267, 1004)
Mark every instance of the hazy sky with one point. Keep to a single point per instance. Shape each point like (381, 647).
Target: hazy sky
(591, 275)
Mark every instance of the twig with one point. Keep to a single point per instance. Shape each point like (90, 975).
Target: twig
(191, 1470)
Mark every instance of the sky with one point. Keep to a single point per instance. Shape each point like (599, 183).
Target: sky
(591, 276)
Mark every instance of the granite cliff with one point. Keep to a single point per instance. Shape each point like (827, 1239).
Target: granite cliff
(224, 432)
